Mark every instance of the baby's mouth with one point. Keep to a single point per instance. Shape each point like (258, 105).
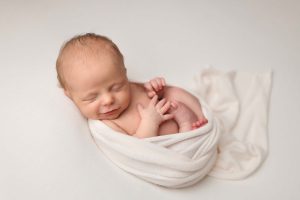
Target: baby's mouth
(109, 112)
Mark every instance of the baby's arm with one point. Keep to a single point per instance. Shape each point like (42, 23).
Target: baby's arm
(152, 116)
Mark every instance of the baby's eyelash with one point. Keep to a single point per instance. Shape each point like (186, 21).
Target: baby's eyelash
(89, 99)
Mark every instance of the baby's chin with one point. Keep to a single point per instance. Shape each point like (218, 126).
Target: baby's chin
(108, 118)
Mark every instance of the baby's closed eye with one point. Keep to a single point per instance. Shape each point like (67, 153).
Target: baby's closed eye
(117, 87)
(90, 98)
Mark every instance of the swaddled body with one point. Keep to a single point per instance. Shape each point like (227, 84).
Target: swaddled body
(92, 73)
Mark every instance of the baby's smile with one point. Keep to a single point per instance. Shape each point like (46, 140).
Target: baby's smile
(110, 111)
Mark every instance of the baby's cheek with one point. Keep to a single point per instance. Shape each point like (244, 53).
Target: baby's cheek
(125, 98)
(90, 111)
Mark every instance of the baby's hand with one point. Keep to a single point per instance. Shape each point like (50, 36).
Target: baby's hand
(155, 86)
(156, 111)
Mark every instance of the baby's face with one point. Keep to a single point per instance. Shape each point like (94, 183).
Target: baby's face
(100, 88)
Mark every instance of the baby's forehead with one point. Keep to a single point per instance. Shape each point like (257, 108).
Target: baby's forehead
(82, 52)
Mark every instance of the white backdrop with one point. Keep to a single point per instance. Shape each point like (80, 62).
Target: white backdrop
(45, 148)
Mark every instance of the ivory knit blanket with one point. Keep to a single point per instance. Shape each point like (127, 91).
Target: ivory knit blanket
(232, 145)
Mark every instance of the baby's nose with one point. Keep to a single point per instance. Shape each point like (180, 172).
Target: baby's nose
(107, 99)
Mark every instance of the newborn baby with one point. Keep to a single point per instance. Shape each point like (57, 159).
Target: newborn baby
(90, 69)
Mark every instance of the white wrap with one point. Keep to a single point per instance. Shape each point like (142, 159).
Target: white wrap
(231, 146)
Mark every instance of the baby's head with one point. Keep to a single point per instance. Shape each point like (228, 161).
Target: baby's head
(90, 69)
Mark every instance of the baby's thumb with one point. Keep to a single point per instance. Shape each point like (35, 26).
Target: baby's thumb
(151, 94)
(140, 108)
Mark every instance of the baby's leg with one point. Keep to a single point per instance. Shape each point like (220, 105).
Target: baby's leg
(185, 118)
(187, 104)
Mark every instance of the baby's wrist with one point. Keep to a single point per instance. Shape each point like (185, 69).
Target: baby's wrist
(149, 127)
(150, 122)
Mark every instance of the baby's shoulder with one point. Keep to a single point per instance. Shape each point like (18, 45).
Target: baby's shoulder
(139, 94)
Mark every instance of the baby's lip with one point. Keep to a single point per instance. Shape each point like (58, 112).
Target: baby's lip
(109, 111)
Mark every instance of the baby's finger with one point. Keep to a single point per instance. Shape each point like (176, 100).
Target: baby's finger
(154, 84)
(165, 107)
(151, 94)
(148, 86)
(154, 100)
(161, 103)
(159, 83)
(174, 104)
(168, 117)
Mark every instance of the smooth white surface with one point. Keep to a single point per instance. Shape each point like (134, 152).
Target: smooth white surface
(45, 148)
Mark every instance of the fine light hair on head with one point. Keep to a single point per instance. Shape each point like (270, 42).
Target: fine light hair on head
(84, 40)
